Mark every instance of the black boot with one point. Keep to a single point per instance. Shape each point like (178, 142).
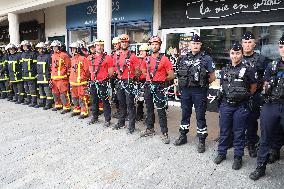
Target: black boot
(38, 106)
(32, 105)
(182, 139)
(82, 116)
(107, 124)
(19, 102)
(252, 150)
(14, 100)
(74, 114)
(139, 117)
(65, 111)
(258, 172)
(274, 156)
(48, 104)
(117, 126)
(201, 146)
(219, 159)
(27, 102)
(93, 121)
(237, 163)
(54, 109)
(47, 107)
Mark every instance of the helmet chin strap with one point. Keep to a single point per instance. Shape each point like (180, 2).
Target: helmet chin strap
(157, 50)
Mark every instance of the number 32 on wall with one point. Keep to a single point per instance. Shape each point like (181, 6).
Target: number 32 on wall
(93, 9)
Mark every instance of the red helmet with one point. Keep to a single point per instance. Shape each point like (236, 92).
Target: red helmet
(155, 39)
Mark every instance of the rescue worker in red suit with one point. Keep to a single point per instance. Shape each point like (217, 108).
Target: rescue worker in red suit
(79, 75)
(101, 69)
(143, 53)
(127, 68)
(158, 69)
(59, 78)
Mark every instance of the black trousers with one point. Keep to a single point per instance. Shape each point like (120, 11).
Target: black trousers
(140, 101)
(155, 94)
(126, 104)
(30, 89)
(114, 93)
(18, 88)
(45, 95)
(99, 91)
(5, 89)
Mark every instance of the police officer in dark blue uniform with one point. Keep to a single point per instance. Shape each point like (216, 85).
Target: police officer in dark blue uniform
(272, 115)
(238, 84)
(196, 71)
(259, 63)
(15, 74)
(29, 60)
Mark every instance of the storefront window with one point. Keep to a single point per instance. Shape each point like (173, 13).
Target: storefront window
(218, 41)
(139, 32)
(80, 34)
(218, 44)
(95, 33)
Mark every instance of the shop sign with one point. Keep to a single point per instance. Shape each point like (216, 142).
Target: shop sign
(192, 13)
(226, 8)
(85, 14)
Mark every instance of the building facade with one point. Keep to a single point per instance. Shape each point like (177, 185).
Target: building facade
(70, 20)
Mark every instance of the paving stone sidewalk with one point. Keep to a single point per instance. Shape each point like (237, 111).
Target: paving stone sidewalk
(44, 149)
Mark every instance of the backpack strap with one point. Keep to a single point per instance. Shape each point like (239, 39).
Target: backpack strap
(99, 66)
(124, 65)
(156, 66)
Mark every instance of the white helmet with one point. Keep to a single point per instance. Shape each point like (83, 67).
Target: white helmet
(55, 43)
(10, 46)
(74, 45)
(25, 42)
(47, 43)
(41, 45)
(91, 44)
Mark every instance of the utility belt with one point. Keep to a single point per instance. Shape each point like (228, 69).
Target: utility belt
(141, 81)
(122, 82)
(234, 102)
(155, 86)
(155, 82)
(130, 80)
(101, 83)
(274, 100)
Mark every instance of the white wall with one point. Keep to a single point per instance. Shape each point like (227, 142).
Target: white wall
(55, 21)
(22, 6)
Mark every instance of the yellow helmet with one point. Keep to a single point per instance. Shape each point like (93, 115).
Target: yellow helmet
(115, 40)
(144, 47)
